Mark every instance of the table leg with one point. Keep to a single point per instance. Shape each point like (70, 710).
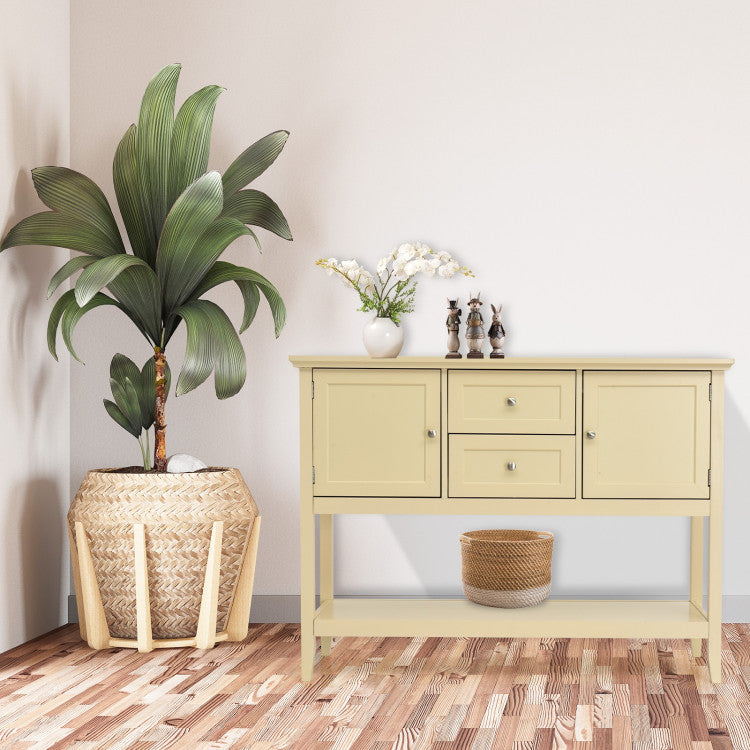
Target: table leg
(715, 527)
(307, 526)
(307, 593)
(714, 598)
(326, 571)
(696, 574)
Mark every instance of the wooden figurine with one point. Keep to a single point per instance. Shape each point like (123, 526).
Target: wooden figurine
(497, 334)
(475, 329)
(452, 323)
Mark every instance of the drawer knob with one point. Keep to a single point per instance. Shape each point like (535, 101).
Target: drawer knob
(511, 465)
(590, 434)
(512, 401)
(431, 433)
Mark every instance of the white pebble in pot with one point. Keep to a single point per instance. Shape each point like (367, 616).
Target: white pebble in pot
(181, 463)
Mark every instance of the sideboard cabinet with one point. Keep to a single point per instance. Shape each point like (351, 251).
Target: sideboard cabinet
(422, 435)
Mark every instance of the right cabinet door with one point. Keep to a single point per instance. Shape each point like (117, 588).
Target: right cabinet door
(646, 434)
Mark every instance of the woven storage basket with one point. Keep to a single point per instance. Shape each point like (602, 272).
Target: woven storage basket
(506, 567)
(178, 512)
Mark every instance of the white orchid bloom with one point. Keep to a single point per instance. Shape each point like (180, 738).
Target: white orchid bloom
(365, 281)
(447, 271)
(406, 251)
(399, 275)
(348, 265)
(388, 291)
(414, 266)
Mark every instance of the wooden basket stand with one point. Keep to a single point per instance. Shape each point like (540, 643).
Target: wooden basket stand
(163, 560)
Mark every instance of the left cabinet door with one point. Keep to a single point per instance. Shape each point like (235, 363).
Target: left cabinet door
(376, 433)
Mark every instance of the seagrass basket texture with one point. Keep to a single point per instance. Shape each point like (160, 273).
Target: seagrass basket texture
(178, 511)
(506, 567)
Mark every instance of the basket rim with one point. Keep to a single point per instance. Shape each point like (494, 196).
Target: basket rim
(120, 471)
(473, 536)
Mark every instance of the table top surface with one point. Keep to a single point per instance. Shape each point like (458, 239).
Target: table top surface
(517, 363)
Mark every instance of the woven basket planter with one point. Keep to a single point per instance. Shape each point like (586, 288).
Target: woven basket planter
(161, 559)
(506, 567)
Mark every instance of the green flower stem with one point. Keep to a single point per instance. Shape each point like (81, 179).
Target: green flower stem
(147, 465)
(380, 301)
(143, 452)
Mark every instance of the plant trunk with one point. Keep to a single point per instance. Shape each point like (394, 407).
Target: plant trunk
(160, 426)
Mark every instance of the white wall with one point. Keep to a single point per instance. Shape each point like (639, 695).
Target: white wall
(34, 389)
(589, 160)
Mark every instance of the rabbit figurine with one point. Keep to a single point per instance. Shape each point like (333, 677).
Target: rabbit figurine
(497, 334)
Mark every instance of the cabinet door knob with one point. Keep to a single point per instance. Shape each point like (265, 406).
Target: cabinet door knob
(431, 433)
(590, 434)
(511, 465)
(512, 401)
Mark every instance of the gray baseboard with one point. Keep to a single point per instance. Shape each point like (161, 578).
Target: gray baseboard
(265, 608)
(285, 607)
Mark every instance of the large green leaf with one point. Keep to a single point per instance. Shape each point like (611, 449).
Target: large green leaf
(201, 257)
(256, 208)
(126, 398)
(253, 161)
(66, 299)
(133, 283)
(191, 214)
(127, 190)
(66, 313)
(67, 270)
(222, 272)
(139, 292)
(153, 145)
(251, 298)
(101, 273)
(212, 344)
(122, 367)
(191, 139)
(71, 316)
(60, 230)
(114, 411)
(73, 194)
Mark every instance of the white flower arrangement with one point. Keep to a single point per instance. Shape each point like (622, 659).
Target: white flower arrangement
(397, 270)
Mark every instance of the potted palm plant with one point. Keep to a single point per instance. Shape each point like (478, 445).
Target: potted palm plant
(160, 556)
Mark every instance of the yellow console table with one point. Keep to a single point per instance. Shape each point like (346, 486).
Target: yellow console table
(562, 436)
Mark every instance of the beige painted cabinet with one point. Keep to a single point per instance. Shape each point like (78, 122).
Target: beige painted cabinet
(647, 434)
(375, 433)
(520, 436)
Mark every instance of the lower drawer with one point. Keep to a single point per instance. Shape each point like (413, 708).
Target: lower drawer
(511, 466)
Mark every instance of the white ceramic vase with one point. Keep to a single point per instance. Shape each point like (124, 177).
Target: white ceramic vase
(382, 337)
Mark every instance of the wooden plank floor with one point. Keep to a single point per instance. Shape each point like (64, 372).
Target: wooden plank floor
(383, 693)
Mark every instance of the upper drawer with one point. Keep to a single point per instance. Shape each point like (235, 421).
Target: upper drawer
(512, 401)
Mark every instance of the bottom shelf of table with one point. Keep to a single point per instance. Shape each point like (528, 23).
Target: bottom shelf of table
(561, 618)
